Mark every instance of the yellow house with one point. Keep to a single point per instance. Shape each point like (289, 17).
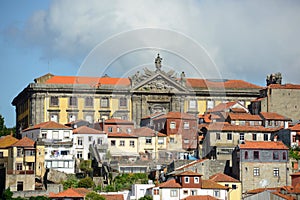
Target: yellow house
(5, 143)
(235, 191)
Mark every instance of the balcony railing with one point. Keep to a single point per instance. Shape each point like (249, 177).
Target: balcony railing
(59, 157)
(20, 171)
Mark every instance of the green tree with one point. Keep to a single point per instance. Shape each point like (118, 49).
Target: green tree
(294, 153)
(39, 198)
(7, 194)
(86, 166)
(94, 196)
(86, 182)
(71, 181)
(147, 197)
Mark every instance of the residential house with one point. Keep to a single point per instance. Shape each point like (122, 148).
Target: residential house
(5, 143)
(139, 190)
(260, 164)
(71, 193)
(123, 145)
(187, 184)
(151, 143)
(58, 140)
(116, 125)
(181, 131)
(234, 185)
(88, 139)
(148, 120)
(271, 119)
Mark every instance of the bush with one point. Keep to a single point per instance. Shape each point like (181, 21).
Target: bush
(86, 182)
(94, 196)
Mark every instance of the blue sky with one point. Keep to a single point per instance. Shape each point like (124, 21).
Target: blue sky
(245, 39)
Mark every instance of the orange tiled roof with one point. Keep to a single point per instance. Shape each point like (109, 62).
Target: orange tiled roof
(244, 116)
(24, 142)
(188, 173)
(86, 130)
(113, 196)
(176, 115)
(295, 127)
(47, 125)
(190, 164)
(259, 190)
(223, 106)
(285, 86)
(200, 197)
(92, 81)
(117, 121)
(220, 177)
(146, 132)
(238, 110)
(170, 184)
(220, 126)
(208, 184)
(121, 135)
(227, 84)
(258, 99)
(263, 145)
(7, 141)
(273, 116)
(71, 192)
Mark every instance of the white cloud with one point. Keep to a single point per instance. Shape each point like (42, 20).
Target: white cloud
(247, 39)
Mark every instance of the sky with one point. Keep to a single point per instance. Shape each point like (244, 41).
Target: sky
(209, 39)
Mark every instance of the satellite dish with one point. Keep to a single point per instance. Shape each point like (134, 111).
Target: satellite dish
(264, 183)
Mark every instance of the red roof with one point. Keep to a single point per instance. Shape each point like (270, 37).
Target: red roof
(209, 184)
(24, 142)
(220, 177)
(170, 184)
(200, 197)
(48, 125)
(176, 115)
(244, 116)
(273, 116)
(7, 141)
(223, 106)
(146, 132)
(285, 86)
(113, 196)
(118, 121)
(188, 173)
(263, 145)
(121, 135)
(86, 130)
(220, 126)
(226, 84)
(71, 192)
(295, 127)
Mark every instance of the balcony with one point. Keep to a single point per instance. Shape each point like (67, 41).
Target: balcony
(59, 157)
(101, 146)
(16, 172)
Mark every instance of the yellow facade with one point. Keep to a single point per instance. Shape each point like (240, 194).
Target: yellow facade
(234, 194)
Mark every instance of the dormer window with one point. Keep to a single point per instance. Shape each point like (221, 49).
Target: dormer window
(186, 179)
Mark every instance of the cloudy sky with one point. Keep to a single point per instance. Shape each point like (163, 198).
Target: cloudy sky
(218, 39)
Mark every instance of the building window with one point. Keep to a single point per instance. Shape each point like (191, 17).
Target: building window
(89, 102)
(266, 137)
(72, 117)
(19, 152)
(79, 154)
(196, 179)
(216, 193)
(66, 134)
(246, 155)
(210, 104)
(242, 137)
(54, 117)
(173, 193)
(53, 101)
(122, 143)
(186, 141)
(275, 155)
(256, 155)
(131, 143)
(172, 140)
(104, 102)
(19, 166)
(254, 137)
(234, 186)
(192, 104)
(172, 125)
(55, 135)
(79, 141)
(73, 101)
(186, 125)
(20, 186)
(90, 138)
(100, 141)
(89, 118)
(113, 143)
(123, 102)
(1, 154)
(185, 192)
(229, 136)
(44, 135)
(276, 171)
(218, 136)
(283, 155)
(186, 179)
(148, 141)
(155, 191)
(110, 129)
(160, 141)
(193, 192)
(255, 171)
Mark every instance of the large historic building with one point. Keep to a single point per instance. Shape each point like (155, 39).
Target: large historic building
(68, 98)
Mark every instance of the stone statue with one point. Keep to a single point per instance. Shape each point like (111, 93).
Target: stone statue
(274, 79)
(158, 62)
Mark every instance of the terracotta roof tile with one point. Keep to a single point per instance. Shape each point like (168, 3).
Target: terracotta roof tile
(295, 127)
(190, 164)
(244, 116)
(208, 184)
(118, 121)
(146, 132)
(188, 173)
(86, 130)
(220, 177)
(200, 197)
(71, 192)
(7, 141)
(223, 106)
(238, 110)
(219, 84)
(259, 190)
(47, 125)
(273, 116)
(176, 115)
(170, 184)
(121, 135)
(113, 196)
(24, 142)
(285, 86)
(263, 145)
(219, 126)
